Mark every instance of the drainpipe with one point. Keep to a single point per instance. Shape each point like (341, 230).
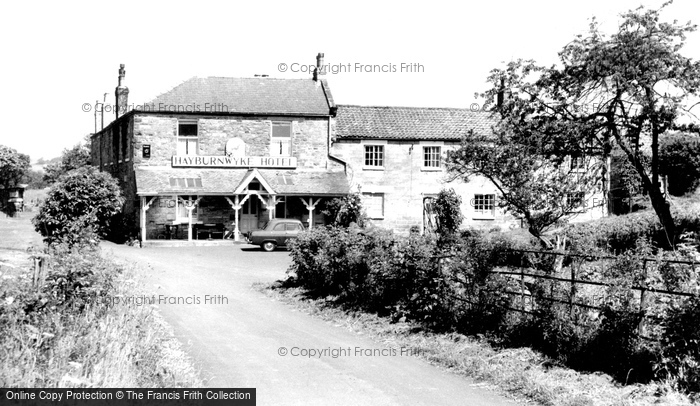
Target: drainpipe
(328, 145)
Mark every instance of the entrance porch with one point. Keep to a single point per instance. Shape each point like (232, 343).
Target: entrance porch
(225, 204)
(217, 217)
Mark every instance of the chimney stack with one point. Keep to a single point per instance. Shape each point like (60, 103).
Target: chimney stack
(319, 66)
(121, 94)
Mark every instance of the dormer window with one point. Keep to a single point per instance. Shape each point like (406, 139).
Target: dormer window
(281, 139)
(187, 137)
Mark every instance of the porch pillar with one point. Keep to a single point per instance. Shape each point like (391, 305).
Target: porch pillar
(236, 206)
(271, 204)
(310, 206)
(190, 205)
(145, 205)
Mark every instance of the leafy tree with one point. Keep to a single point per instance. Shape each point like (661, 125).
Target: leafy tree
(535, 178)
(79, 207)
(343, 211)
(73, 158)
(34, 179)
(13, 166)
(626, 90)
(679, 160)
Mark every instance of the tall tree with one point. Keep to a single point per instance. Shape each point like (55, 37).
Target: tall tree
(626, 90)
(539, 181)
(13, 166)
(73, 158)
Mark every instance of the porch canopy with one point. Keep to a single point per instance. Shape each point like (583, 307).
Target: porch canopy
(189, 185)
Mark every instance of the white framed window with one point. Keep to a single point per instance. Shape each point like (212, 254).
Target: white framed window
(281, 139)
(374, 156)
(432, 157)
(187, 137)
(484, 205)
(373, 204)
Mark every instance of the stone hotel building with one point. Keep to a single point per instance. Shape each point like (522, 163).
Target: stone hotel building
(216, 157)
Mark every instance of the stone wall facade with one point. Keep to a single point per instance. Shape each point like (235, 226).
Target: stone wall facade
(404, 183)
(309, 137)
(395, 194)
(119, 150)
(112, 151)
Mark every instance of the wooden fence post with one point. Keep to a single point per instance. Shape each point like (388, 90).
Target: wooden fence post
(39, 271)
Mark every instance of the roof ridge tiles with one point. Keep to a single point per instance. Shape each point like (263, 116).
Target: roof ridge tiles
(414, 108)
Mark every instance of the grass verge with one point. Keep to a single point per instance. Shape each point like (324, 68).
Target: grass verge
(520, 372)
(47, 340)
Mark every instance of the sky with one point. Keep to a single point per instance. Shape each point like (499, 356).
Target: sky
(59, 58)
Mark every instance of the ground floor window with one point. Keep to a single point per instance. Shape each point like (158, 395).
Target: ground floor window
(485, 205)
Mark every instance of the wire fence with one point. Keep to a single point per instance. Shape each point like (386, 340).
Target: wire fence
(569, 286)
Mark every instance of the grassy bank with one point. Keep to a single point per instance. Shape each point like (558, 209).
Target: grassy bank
(69, 333)
(520, 372)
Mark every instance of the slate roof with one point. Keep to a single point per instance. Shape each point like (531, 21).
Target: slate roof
(312, 183)
(248, 95)
(159, 181)
(409, 123)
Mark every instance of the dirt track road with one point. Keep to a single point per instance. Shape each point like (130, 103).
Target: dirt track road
(250, 340)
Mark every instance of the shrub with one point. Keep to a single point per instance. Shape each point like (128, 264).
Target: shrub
(680, 360)
(477, 254)
(344, 211)
(373, 270)
(78, 209)
(468, 288)
(449, 216)
(77, 278)
(619, 234)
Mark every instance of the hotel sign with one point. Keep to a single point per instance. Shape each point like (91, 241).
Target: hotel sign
(199, 161)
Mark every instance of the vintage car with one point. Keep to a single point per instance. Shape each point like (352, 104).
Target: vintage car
(276, 233)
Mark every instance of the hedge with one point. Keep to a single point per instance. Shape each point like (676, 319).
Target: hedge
(453, 288)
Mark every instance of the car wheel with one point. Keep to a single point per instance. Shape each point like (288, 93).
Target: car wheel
(268, 246)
